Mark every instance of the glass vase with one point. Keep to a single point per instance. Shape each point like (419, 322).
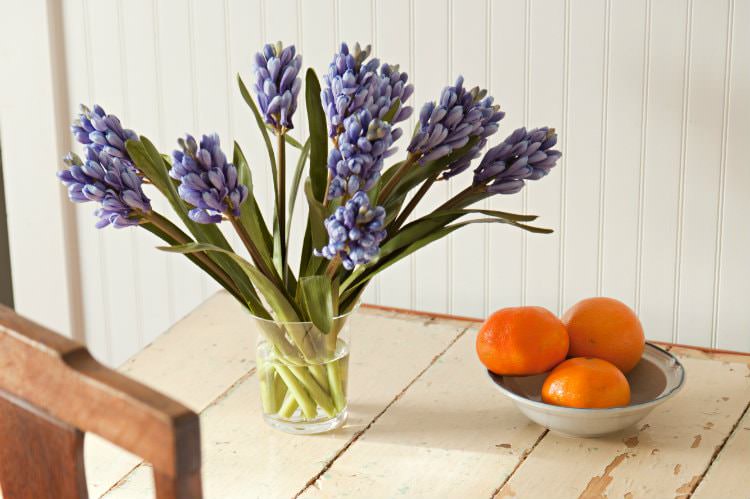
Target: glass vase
(303, 374)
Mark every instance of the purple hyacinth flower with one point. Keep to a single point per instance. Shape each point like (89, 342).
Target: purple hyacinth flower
(355, 232)
(350, 85)
(102, 132)
(357, 161)
(389, 86)
(277, 83)
(110, 181)
(450, 123)
(207, 180)
(523, 155)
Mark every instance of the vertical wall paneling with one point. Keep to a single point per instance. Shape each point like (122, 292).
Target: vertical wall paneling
(469, 59)
(119, 262)
(178, 117)
(622, 150)
(583, 155)
(431, 73)
(733, 320)
(29, 110)
(651, 100)
(701, 198)
(393, 45)
(152, 270)
(508, 48)
(546, 77)
(90, 241)
(662, 158)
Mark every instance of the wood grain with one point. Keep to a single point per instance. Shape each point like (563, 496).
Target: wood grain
(53, 391)
(40, 457)
(194, 362)
(244, 458)
(449, 435)
(411, 449)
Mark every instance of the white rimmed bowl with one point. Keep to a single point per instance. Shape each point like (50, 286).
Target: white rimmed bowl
(656, 378)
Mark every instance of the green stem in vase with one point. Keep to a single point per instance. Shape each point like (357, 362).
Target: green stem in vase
(297, 389)
(288, 407)
(336, 383)
(316, 392)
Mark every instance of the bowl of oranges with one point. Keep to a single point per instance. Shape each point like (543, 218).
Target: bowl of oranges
(588, 374)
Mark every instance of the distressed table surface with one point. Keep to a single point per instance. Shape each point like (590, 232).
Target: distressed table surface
(425, 423)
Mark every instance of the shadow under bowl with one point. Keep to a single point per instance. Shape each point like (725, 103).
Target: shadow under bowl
(656, 378)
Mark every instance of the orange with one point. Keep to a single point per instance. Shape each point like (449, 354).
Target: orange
(606, 329)
(521, 341)
(586, 382)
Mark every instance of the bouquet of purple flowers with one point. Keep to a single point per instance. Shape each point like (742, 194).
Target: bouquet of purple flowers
(358, 220)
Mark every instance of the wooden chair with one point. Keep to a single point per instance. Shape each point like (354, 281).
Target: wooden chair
(52, 391)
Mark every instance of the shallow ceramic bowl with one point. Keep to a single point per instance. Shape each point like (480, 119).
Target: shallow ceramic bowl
(656, 378)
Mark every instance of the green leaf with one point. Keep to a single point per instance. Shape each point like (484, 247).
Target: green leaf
(317, 216)
(392, 111)
(419, 173)
(290, 140)
(261, 126)
(149, 161)
(422, 235)
(273, 295)
(491, 213)
(295, 183)
(250, 216)
(318, 136)
(318, 298)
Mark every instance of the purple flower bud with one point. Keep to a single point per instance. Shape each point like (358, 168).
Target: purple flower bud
(356, 163)
(448, 125)
(521, 156)
(207, 180)
(102, 132)
(355, 231)
(277, 83)
(108, 176)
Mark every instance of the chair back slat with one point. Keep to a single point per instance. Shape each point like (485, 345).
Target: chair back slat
(39, 456)
(53, 392)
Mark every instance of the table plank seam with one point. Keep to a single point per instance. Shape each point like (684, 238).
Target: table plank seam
(359, 434)
(526, 453)
(223, 395)
(717, 451)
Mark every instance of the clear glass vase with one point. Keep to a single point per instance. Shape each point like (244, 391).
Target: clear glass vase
(303, 374)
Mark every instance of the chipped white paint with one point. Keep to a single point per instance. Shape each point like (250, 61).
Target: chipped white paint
(449, 435)
(445, 434)
(242, 456)
(664, 457)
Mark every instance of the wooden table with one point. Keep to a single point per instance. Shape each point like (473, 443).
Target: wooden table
(425, 423)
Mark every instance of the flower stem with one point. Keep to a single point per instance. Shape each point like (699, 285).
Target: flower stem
(413, 203)
(333, 266)
(297, 390)
(455, 201)
(254, 252)
(281, 198)
(180, 237)
(335, 381)
(395, 179)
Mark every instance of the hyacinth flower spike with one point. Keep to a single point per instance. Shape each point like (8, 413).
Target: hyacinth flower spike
(524, 155)
(355, 231)
(362, 106)
(446, 127)
(209, 183)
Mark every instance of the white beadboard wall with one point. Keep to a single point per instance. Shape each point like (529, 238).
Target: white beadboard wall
(651, 99)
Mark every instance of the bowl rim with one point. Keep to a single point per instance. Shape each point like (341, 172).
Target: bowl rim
(601, 410)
